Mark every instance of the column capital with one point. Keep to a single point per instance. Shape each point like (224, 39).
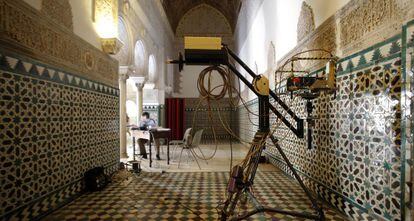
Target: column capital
(123, 70)
(123, 73)
(140, 86)
(139, 82)
(123, 77)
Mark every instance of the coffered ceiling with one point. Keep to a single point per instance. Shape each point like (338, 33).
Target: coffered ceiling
(176, 9)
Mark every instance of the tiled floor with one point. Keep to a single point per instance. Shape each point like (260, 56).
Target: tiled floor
(182, 196)
(220, 161)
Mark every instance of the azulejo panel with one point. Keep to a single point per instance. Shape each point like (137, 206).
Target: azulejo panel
(54, 126)
(358, 139)
(358, 164)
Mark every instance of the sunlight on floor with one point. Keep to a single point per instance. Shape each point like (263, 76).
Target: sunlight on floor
(220, 161)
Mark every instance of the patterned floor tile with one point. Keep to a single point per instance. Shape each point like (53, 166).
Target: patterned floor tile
(183, 196)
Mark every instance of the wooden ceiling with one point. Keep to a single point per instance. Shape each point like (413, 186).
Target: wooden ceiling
(176, 9)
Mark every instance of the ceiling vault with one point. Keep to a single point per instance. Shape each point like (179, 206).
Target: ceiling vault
(176, 9)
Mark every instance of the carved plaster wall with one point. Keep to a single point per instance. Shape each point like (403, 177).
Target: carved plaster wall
(363, 22)
(176, 9)
(58, 10)
(27, 29)
(306, 22)
(105, 16)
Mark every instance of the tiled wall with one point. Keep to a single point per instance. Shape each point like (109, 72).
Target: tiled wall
(156, 113)
(196, 116)
(58, 112)
(362, 136)
(54, 126)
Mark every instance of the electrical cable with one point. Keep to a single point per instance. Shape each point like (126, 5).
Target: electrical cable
(209, 95)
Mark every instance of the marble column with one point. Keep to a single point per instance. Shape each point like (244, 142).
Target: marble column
(140, 98)
(123, 76)
(139, 83)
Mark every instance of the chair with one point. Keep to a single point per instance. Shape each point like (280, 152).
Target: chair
(195, 143)
(177, 143)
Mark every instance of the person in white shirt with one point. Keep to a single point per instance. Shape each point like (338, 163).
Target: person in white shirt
(147, 123)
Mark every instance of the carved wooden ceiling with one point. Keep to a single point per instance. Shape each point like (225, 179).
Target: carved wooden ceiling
(176, 9)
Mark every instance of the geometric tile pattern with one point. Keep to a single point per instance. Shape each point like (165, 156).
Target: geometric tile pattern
(357, 135)
(53, 127)
(326, 194)
(155, 112)
(197, 117)
(407, 102)
(184, 196)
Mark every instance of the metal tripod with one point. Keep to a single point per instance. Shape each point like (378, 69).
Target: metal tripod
(242, 178)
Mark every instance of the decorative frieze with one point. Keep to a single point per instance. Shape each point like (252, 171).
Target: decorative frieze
(58, 10)
(366, 17)
(364, 22)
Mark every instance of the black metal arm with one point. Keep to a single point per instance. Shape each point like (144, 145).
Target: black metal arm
(299, 129)
(217, 57)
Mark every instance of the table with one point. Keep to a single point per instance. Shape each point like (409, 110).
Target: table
(150, 135)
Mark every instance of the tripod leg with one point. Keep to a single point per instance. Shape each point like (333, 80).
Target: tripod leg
(230, 205)
(254, 165)
(233, 198)
(295, 174)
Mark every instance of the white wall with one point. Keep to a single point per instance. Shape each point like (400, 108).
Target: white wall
(323, 9)
(82, 21)
(264, 22)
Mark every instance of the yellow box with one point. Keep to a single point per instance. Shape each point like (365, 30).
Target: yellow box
(202, 43)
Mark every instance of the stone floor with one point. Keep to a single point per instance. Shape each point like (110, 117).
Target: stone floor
(190, 195)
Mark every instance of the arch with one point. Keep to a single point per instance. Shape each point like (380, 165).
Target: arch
(193, 24)
(140, 58)
(124, 55)
(215, 6)
(152, 68)
(193, 21)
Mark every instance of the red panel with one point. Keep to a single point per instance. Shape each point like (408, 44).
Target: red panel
(175, 117)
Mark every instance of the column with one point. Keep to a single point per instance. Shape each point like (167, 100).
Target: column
(123, 76)
(140, 98)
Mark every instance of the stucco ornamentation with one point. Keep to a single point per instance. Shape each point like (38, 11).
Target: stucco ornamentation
(89, 60)
(58, 10)
(23, 27)
(364, 17)
(105, 9)
(306, 22)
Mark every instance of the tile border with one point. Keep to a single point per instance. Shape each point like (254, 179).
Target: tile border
(13, 63)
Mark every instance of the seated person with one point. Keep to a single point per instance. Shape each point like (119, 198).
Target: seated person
(147, 123)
